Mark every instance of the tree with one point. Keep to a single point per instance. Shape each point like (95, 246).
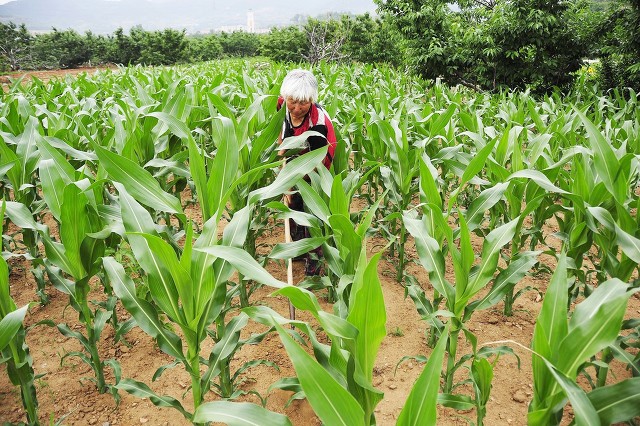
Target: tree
(99, 47)
(535, 45)
(325, 40)
(61, 49)
(426, 29)
(288, 44)
(126, 49)
(620, 46)
(371, 40)
(166, 47)
(15, 46)
(240, 44)
(204, 48)
(513, 43)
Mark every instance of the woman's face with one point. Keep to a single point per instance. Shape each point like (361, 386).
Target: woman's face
(298, 109)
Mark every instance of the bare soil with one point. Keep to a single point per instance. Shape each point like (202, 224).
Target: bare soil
(46, 75)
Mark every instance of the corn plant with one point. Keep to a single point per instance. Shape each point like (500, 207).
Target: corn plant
(190, 287)
(338, 383)
(13, 348)
(19, 158)
(341, 233)
(561, 346)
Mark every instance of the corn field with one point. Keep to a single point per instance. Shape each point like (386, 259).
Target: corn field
(481, 253)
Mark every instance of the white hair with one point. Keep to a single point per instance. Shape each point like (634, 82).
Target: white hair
(300, 85)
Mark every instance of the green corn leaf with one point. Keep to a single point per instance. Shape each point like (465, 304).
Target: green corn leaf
(313, 201)
(617, 403)
(551, 328)
(266, 138)
(305, 300)
(539, 178)
(175, 125)
(430, 255)
(144, 313)
(224, 167)
(368, 315)
(20, 215)
(482, 375)
(348, 241)
(226, 346)
(199, 176)
(74, 227)
(168, 281)
(475, 166)
(6, 302)
(604, 158)
(420, 408)
(506, 279)
(483, 202)
(490, 255)
(27, 149)
(629, 244)
(332, 403)
(56, 255)
(584, 412)
(466, 255)
(244, 263)
(238, 414)
(296, 248)
(135, 218)
(289, 175)
(10, 324)
(428, 189)
(338, 202)
(457, 402)
(594, 325)
(141, 390)
(295, 144)
(162, 262)
(55, 174)
(365, 224)
(139, 182)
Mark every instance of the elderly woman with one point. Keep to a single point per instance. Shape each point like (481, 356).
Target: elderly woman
(299, 93)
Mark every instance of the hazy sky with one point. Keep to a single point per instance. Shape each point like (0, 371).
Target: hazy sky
(104, 16)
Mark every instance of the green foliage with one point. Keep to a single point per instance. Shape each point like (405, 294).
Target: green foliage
(426, 28)
(287, 44)
(165, 47)
(15, 43)
(620, 46)
(519, 44)
(240, 44)
(371, 40)
(205, 48)
(61, 49)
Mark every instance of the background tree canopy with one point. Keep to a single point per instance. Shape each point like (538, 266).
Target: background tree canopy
(484, 44)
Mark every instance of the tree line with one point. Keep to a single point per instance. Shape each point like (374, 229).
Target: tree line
(484, 44)
(327, 38)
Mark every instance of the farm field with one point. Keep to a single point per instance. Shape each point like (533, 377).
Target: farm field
(457, 226)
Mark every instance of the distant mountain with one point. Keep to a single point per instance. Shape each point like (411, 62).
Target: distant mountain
(104, 16)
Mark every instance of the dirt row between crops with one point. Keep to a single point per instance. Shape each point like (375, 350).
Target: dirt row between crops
(46, 75)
